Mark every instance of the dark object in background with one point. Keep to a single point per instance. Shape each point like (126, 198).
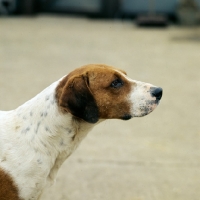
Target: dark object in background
(28, 7)
(7, 7)
(138, 7)
(152, 20)
(98, 8)
(109, 8)
(25, 7)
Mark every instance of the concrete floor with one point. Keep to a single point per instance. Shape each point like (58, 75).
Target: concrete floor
(156, 157)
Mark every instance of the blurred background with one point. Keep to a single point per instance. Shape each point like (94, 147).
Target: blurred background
(156, 157)
(145, 11)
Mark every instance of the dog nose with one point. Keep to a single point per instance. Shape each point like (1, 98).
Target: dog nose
(156, 92)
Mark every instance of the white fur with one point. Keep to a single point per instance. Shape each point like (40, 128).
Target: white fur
(142, 101)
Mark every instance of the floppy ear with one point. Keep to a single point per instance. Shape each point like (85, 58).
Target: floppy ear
(77, 99)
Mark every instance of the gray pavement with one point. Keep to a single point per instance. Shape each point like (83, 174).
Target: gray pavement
(156, 157)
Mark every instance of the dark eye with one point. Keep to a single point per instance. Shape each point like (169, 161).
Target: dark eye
(117, 83)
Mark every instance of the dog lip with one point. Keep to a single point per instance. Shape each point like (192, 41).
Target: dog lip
(126, 117)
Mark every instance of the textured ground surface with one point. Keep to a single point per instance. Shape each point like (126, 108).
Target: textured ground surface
(152, 158)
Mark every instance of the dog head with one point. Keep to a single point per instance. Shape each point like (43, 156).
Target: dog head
(95, 92)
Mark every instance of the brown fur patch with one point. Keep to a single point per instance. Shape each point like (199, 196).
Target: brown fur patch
(8, 190)
(111, 102)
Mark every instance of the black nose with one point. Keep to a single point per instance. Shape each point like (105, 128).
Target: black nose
(156, 92)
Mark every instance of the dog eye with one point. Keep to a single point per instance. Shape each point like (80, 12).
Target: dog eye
(117, 83)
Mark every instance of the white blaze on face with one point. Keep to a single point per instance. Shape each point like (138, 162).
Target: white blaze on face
(142, 100)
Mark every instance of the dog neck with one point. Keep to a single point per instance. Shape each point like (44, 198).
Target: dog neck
(46, 136)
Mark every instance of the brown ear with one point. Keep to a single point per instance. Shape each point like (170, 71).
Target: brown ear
(77, 99)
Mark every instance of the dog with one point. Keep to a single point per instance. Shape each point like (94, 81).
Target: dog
(38, 136)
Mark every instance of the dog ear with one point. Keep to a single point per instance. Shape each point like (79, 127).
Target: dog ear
(77, 99)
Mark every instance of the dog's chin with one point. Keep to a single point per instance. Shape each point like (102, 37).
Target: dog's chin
(144, 110)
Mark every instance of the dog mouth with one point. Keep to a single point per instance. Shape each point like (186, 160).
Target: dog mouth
(126, 117)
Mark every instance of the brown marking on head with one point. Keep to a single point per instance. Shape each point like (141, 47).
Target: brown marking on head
(8, 190)
(88, 93)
